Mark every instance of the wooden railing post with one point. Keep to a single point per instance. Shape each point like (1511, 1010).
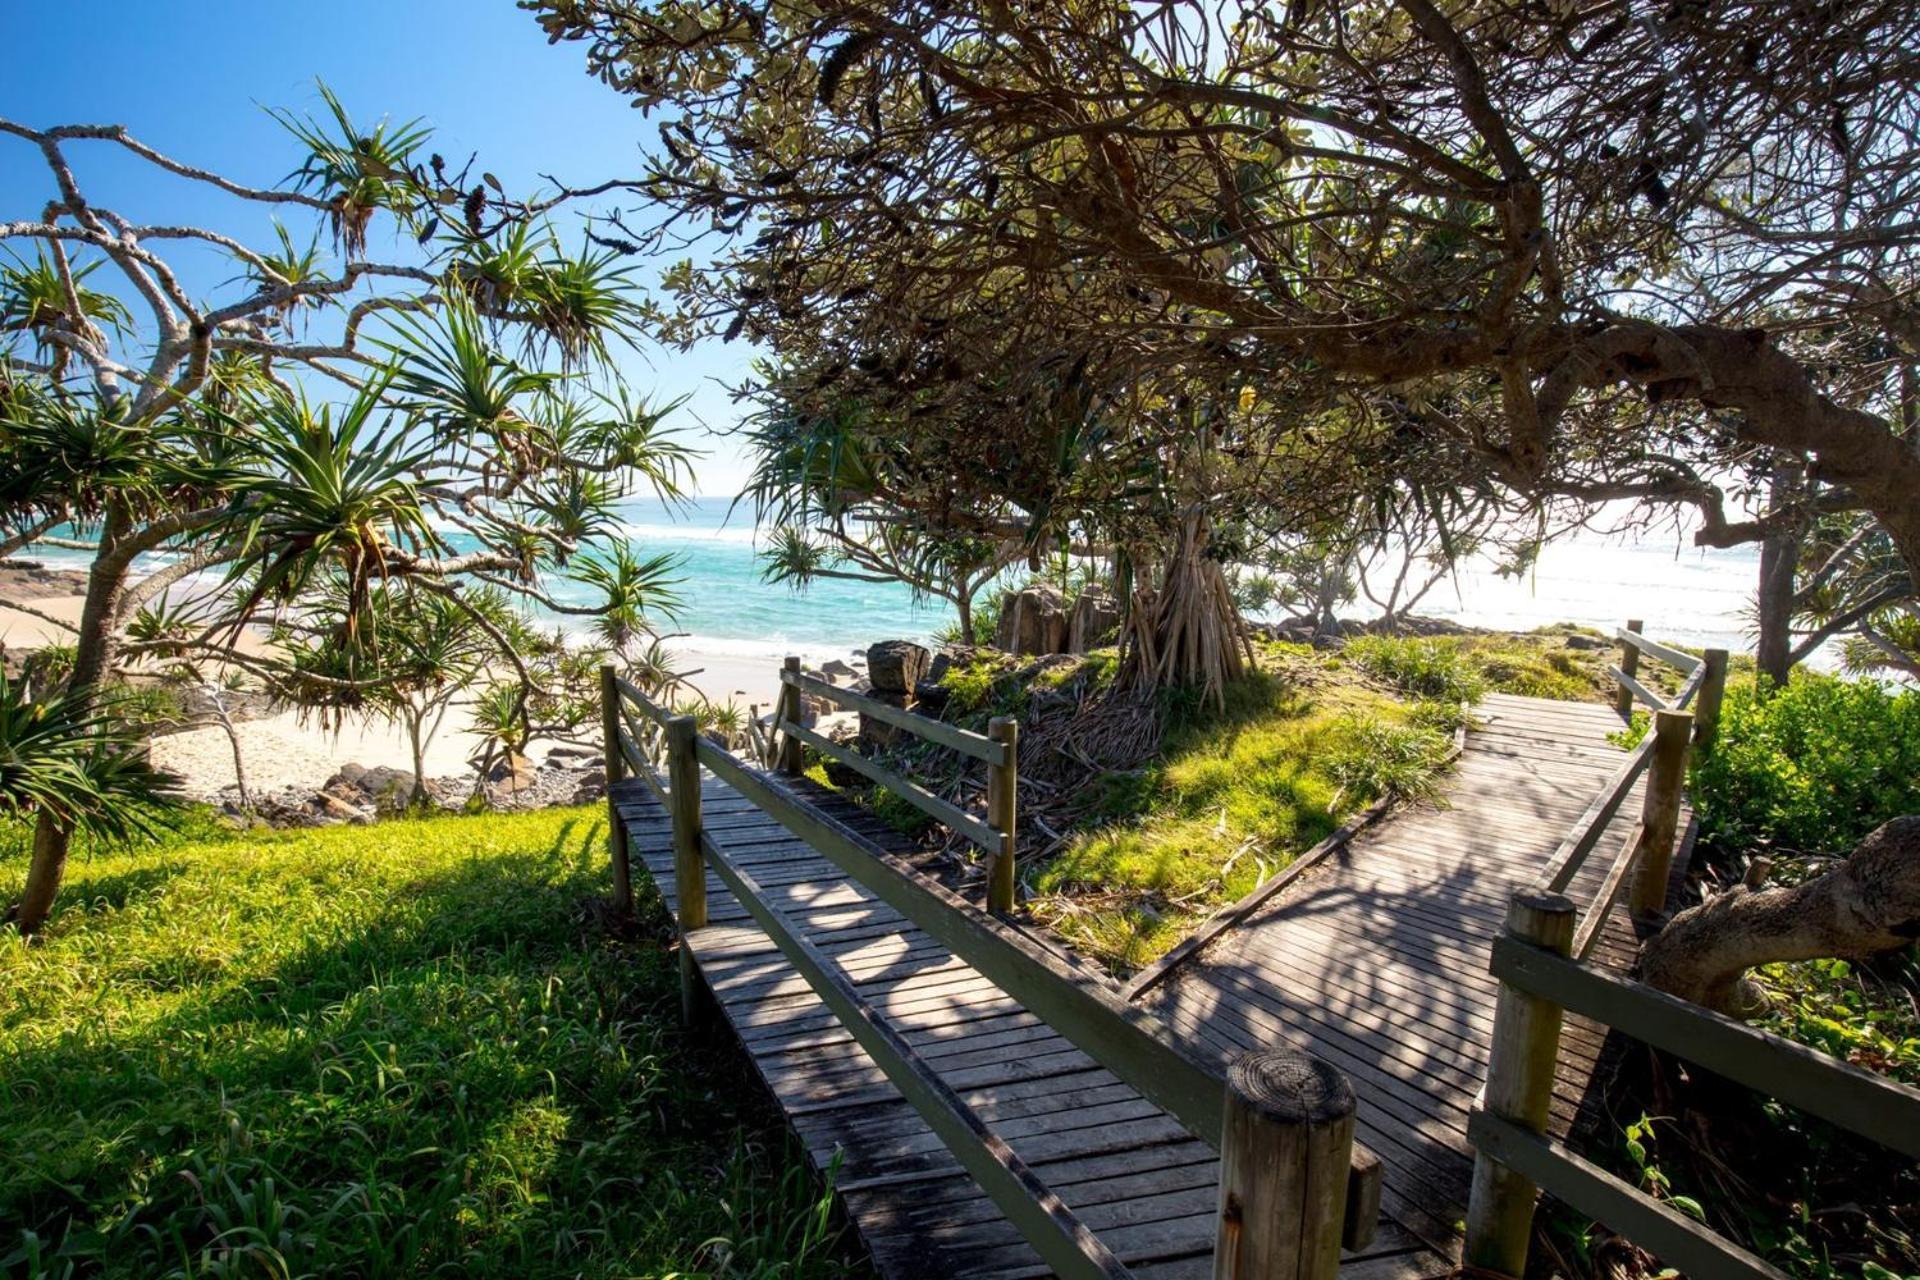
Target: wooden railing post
(1630, 665)
(689, 867)
(1660, 815)
(1526, 1050)
(1286, 1147)
(1003, 812)
(790, 707)
(1706, 703)
(615, 762)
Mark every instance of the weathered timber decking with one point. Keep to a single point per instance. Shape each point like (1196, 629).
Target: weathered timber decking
(1131, 1173)
(1375, 961)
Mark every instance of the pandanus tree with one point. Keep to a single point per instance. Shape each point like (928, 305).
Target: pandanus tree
(1375, 198)
(424, 416)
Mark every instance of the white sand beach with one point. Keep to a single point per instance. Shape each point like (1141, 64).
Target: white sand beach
(283, 752)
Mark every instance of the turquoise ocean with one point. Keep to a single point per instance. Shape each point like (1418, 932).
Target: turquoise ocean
(728, 608)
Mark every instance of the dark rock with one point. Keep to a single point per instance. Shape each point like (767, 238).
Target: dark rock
(350, 774)
(1033, 620)
(931, 697)
(839, 672)
(382, 781)
(878, 735)
(514, 771)
(895, 666)
(1094, 621)
(1578, 641)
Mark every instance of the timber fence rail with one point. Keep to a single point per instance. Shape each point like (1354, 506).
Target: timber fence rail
(994, 832)
(1295, 1188)
(1543, 971)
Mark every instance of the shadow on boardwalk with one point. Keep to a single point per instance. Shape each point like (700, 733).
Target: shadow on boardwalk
(1377, 961)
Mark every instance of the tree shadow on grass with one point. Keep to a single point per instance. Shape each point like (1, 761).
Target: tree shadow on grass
(472, 1075)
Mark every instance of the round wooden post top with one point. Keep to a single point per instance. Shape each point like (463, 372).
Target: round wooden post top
(1286, 1086)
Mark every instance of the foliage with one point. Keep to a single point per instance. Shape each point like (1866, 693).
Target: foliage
(341, 437)
(1813, 766)
(400, 1050)
(1372, 232)
(1232, 797)
(67, 757)
(1423, 668)
(1862, 1013)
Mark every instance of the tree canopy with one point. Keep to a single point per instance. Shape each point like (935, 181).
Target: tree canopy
(1582, 251)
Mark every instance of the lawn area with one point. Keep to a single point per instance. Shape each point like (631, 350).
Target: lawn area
(401, 1050)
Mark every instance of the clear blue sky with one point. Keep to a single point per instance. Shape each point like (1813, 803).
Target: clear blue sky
(190, 78)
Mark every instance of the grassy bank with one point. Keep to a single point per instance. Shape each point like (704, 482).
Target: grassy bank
(1232, 796)
(399, 1050)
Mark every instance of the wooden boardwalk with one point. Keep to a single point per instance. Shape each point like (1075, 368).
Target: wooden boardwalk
(1375, 961)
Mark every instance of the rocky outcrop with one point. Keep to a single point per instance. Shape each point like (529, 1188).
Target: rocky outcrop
(1033, 620)
(894, 669)
(1094, 620)
(896, 666)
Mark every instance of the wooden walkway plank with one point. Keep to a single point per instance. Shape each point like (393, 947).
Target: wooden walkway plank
(1377, 959)
(1145, 1185)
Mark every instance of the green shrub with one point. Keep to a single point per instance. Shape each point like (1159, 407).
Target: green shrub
(1423, 668)
(1814, 766)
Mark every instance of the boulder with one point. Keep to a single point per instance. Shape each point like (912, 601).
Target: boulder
(931, 697)
(383, 783)
(878, 735)
(1094, 620)
(513, 771)
(1033, 620)
(1578, 641)
(839, 672)
(895, 666)
(346, 775)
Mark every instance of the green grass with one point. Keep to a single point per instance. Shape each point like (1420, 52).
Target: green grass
(1231, 799)
(1536, 664)
(400, 1050)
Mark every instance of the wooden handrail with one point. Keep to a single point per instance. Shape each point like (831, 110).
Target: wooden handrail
(1670, 1235)
(979, 746)
(913, 793)
(1654, 649)
(1063, 1242)
(631, 693)
(1079, 1003)
(1638, 690)
(1856, 1099)
(1567, 860)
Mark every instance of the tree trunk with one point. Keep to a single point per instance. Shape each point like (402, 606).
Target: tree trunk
(93, 653)
(419, 798)
(963, 601)
(1773, 652)
(239, 757)
(51, 842)
(1868, 904)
